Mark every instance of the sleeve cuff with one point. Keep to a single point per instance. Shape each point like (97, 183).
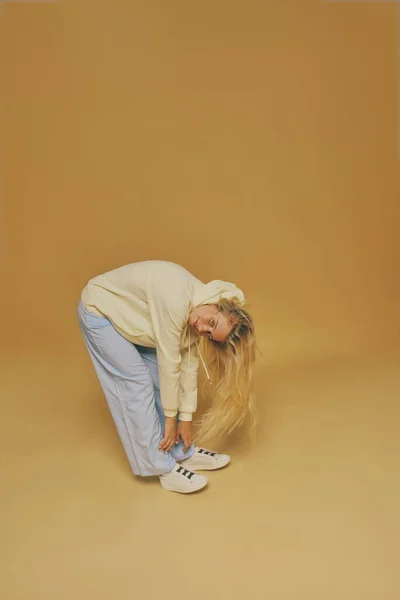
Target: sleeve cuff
(170, 413)
(185, 416)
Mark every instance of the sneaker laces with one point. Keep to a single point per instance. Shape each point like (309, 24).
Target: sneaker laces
(185, 472)
(208, 452)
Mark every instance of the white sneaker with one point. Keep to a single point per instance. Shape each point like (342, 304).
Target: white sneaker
(183, 481)
(204, 460)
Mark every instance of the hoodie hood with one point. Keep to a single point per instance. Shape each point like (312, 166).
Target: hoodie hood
(211, 293)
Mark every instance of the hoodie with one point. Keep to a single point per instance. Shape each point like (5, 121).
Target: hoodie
(149, 303)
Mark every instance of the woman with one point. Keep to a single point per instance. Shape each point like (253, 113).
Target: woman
(140, 323)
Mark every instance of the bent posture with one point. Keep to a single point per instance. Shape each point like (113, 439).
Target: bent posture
(142, 324)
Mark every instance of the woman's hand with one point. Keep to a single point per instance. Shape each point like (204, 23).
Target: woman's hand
(168, 440)
(184, 431)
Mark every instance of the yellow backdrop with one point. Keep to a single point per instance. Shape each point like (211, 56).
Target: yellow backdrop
(256, 142)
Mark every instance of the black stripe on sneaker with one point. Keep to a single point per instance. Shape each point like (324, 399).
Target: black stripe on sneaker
(184, 472)
(203, 451)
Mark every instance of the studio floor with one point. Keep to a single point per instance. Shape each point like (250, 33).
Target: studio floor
(310, 513)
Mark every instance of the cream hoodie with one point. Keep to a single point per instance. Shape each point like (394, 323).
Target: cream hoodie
(149, 303)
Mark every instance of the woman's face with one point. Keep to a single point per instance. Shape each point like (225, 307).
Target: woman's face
(206, 320)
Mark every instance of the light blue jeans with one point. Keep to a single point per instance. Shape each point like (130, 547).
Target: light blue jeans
(128, 375)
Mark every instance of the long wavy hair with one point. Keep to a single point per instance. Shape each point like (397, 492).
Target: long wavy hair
(231, 368)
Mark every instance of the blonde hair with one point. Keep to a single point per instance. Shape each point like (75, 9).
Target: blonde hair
(230, 364)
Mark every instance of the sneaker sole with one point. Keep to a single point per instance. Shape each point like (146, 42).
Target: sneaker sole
(189, 491)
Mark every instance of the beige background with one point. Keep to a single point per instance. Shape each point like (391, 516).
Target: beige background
(254, 142)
